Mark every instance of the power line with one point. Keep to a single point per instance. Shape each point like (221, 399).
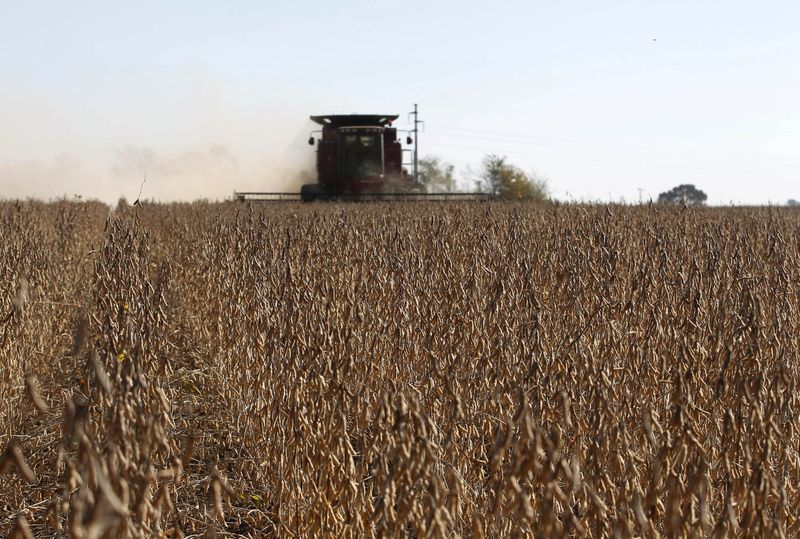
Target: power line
(599, 150)
(474, 134)
(635, 163)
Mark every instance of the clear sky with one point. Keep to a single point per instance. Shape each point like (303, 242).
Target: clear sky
(609, 100)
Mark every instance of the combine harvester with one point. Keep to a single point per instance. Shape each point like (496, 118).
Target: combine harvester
(359, 158)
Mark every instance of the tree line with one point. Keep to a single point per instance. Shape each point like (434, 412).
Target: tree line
(496, 176)
(506, 181)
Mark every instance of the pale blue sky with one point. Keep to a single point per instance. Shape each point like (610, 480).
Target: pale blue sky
(602, 98)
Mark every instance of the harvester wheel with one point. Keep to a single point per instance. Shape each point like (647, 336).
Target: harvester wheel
(311, 192)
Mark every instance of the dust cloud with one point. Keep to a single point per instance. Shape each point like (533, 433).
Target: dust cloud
(211, 172)
(206, 146)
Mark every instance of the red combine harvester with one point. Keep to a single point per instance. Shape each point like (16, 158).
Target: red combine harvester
(359, 157)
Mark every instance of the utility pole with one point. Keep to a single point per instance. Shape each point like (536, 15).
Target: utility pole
(417, 121)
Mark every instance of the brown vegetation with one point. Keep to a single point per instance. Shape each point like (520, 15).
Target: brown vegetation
(401, 370)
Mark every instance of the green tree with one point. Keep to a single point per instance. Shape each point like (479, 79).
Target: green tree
(508, 182)
(683, 194)
(436, 175)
